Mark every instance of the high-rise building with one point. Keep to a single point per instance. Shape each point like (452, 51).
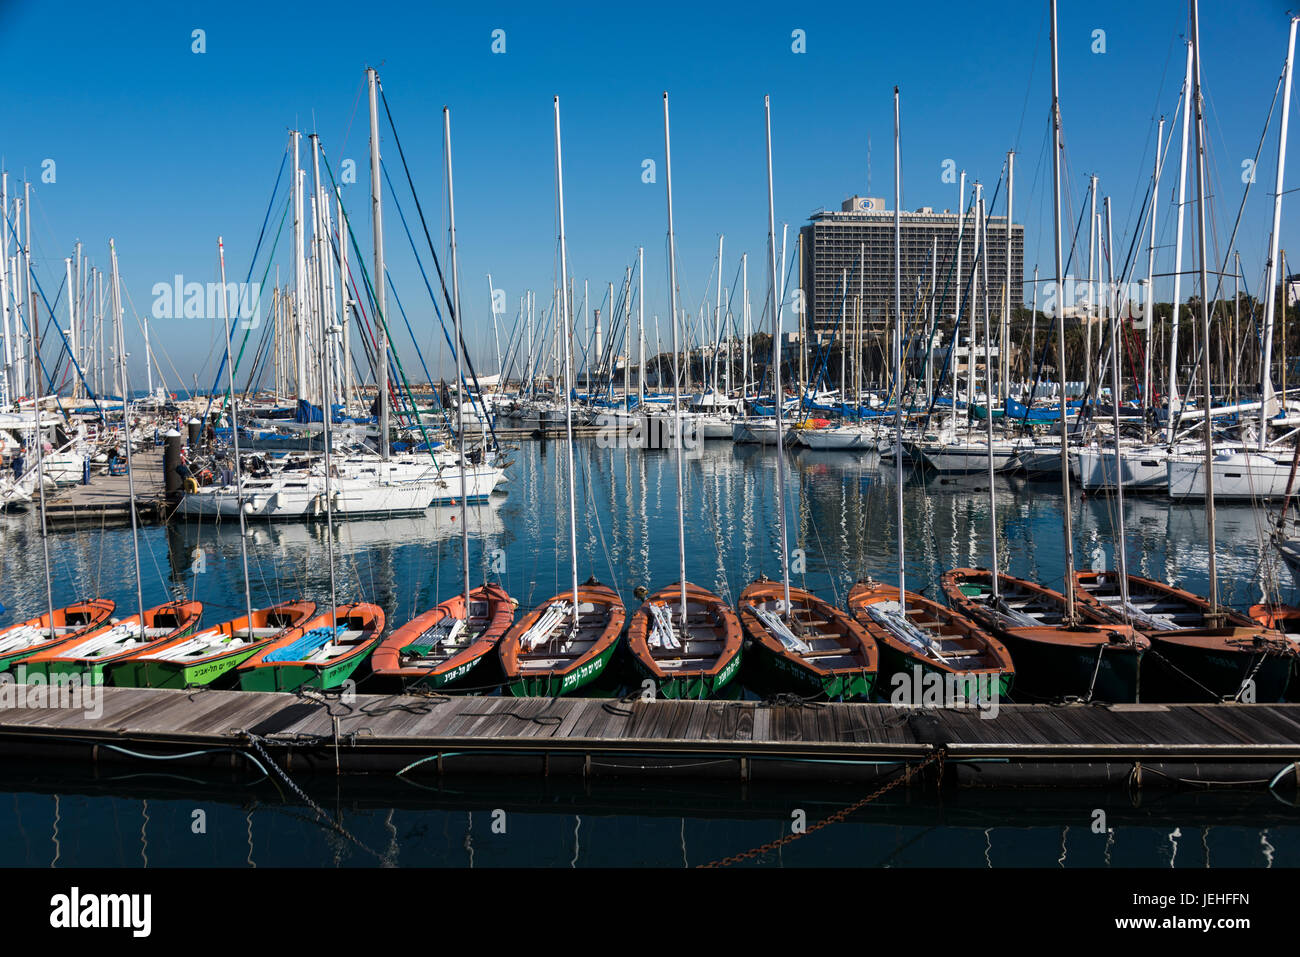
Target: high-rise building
(833, 243)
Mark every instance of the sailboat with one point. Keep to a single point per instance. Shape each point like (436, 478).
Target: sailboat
(322, 653)
(325, 651)
(1260, 470)
(442, 645)
(910, 630)
(797, 640)
(565, 642)
(684, 638)
(1061, 647)
(1091, 657)
(92, 652)
(203, 658)
(1198, 653)
(70, 622)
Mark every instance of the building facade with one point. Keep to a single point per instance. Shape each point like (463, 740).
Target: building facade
(833, 243)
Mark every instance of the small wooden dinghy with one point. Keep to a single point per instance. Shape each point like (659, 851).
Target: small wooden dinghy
(202, 658)
(445, 643)
(818, 649)
(30, 637)
(92, 653)
(694, 663)
(542, 656)
(933, 638)
(1195, 655)
(321, 654)
(1094, 658)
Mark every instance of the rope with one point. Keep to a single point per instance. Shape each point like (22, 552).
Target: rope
(256, 741)
(838, 816)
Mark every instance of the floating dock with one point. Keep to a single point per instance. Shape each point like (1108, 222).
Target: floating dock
(1117, 746)
(106, 500)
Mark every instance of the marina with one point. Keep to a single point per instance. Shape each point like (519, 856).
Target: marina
(830, 531)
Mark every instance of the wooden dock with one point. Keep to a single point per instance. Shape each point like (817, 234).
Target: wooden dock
(1023, 745)
(106, 500)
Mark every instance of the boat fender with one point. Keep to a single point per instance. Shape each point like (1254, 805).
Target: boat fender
(191, 485)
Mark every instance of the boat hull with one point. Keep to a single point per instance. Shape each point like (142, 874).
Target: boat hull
(387, 661)
(525, 678)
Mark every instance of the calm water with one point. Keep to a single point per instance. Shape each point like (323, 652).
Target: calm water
(842, 510)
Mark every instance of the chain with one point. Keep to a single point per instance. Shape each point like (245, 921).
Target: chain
(838, 816)
(256, 742)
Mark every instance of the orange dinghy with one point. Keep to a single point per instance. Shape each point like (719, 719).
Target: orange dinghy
(543, 656)
(30, 637)
(817, 649)
(443, 644)
(694, 662)
(321, 654)
(933, 638)
(91, 653)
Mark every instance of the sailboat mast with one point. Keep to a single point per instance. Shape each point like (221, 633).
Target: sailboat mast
(377, 227)
(640, 322)
(234, 432)
(1270, 300)
(988, 381)
(327, 398)
(1175, 402)
(1148, 306)
(566, 333)
(1205, 308)
(1121, 547)
(126, 427)
(777, 395)
(898, 347)
(1004, 344)
(40, 469)
(677, 389)
(460, 347)
(717, 325)
(1060, 329)
(299, 274)
(744, 329)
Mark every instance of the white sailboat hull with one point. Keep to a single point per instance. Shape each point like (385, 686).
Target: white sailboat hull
(1236, 476)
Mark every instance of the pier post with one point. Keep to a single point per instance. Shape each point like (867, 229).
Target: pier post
(172, 481)
(192, 427)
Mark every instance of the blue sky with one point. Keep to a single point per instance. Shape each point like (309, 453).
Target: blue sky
(164, 149)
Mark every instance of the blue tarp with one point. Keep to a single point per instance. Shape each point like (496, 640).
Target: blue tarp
(300, 648)
(307, 412)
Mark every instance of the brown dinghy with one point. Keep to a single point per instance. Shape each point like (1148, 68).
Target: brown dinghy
(933, 638)
(1196, 655)
(696, 662)
(816, 649)
(1090, 658)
